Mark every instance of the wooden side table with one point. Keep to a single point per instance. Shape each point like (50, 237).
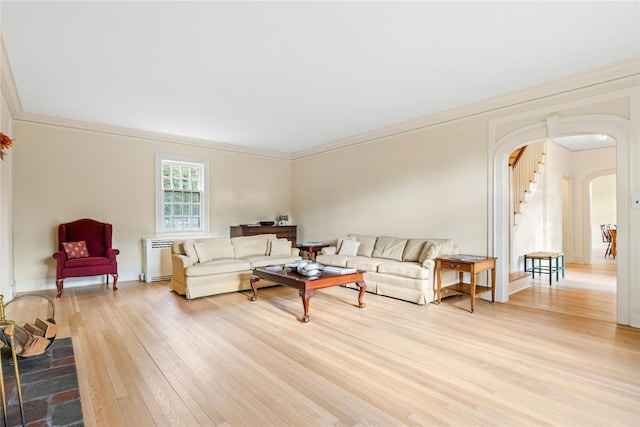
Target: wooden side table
(311, 248)
(472, 264)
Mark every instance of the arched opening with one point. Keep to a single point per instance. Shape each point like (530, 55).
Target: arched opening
(552, 127)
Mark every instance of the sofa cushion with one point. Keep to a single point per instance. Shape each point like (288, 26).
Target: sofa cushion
(189, 249)
(265, 260)
(412, 270)
(333, 259)
(218, 266)
(245, 246)
(389, 247)
(367, 243)
(349, 247)
(430, 250)
(365, 263)
(412, 249)
(446, 246)
(279, 247)
(203, 252)
(219, 247)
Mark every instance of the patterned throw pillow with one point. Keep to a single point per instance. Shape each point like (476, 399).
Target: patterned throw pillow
(75, 249)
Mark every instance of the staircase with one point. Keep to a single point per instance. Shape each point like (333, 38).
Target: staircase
(527, 164)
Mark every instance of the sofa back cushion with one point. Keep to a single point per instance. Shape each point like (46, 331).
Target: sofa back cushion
(446, 246)
(430, 250)
(219, 247)
(245, 246)
(367, 243)
(412, 249)
(202, 250)
(389, 248)
(279, 247)
(415, 246)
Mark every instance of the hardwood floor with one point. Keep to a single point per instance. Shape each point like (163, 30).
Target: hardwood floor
(550, 356)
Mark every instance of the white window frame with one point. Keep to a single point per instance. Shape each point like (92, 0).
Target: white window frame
(204, 211)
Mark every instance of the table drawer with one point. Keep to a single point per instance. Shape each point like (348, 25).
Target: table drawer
(456, 265)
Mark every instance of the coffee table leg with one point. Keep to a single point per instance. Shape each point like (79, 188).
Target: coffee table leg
(253, 281)
(363, 288)
(306, 296)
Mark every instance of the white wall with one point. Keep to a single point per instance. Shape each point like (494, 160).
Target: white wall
(603, 207)
(62, 174)
(446, 175)
(427, 183)
(6, 217)
(588, 165)
(541, 227)
(6, 181)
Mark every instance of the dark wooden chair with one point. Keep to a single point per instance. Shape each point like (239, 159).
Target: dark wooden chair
(609, 237)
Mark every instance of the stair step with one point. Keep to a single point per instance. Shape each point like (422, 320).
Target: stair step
(517, 275)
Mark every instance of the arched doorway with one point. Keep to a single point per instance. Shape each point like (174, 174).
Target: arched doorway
(551, 127)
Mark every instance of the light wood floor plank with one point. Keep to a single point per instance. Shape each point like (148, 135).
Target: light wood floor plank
(552, 355)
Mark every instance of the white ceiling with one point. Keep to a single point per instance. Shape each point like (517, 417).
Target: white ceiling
(287, 76)
(585, 142)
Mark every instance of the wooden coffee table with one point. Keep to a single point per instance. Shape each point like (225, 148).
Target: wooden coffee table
(307, 285)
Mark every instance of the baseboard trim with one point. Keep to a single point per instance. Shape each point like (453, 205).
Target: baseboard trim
(49, 283)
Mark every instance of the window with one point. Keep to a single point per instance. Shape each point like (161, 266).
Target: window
(182, 203)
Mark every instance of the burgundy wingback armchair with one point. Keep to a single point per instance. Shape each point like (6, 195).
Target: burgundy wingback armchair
(98, 258)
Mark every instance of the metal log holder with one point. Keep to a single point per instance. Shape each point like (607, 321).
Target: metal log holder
(9, 328)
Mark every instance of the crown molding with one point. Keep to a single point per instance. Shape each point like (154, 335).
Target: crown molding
(8, 86)
(611, 73)
(147, 135)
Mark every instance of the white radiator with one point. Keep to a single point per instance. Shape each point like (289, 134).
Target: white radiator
(156, 259)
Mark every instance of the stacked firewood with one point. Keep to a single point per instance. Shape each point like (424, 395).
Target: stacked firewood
(32, 339)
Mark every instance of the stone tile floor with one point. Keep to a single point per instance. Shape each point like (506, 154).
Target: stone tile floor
(49, 388)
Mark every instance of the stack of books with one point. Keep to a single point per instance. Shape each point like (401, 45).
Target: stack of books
(339, 270)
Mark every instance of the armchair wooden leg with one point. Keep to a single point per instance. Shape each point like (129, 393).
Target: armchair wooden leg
(115, 281)
(59, 285)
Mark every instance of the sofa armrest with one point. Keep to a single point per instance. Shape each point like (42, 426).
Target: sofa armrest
(295, 252)
(329, 250)
(429, 264)
(179, 263)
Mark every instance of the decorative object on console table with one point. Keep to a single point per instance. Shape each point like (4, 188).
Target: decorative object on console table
(472, 264)
(5, 143)
(283, 219)
(289, 232)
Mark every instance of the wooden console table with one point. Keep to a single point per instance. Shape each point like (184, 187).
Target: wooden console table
(289, 232)
(472, 264)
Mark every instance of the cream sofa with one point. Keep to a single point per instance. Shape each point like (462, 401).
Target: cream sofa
(396, 267)
(210, 266)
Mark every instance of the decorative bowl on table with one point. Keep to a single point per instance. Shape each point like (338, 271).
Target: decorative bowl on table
(267, 223)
